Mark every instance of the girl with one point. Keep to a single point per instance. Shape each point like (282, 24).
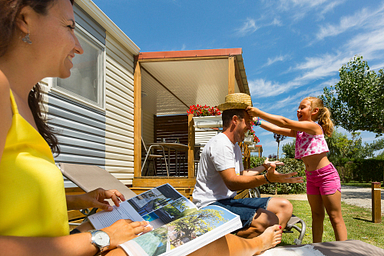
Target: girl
(323, 181)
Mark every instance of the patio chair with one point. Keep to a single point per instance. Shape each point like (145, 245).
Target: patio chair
(90, 177)
(149, 156)
(292, 223)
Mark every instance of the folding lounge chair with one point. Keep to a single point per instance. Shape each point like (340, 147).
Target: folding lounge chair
(292, 223)
(90, 177)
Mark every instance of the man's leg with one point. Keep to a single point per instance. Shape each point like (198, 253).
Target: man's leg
(282, 208)
(261, 221)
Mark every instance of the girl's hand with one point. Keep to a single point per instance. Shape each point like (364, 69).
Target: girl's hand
(124, 230)
(252, 111)
(268, 163)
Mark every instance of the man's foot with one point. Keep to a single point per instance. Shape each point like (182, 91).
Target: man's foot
(271, 237)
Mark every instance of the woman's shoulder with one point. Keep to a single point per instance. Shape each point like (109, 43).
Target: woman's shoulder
(4, 91)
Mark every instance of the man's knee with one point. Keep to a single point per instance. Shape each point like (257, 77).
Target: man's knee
(264, 219)
(280, 205)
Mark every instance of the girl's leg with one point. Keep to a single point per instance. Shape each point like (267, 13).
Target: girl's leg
(332, 204)
(318, 214)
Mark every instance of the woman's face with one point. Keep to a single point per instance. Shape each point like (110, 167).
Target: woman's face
(53, 40)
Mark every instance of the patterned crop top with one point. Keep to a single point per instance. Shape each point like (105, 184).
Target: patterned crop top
(307, 144)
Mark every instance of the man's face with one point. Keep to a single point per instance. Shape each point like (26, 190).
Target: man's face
(242, 126)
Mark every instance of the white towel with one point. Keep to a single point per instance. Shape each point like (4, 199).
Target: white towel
(306, 250)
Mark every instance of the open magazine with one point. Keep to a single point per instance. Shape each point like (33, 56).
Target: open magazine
(179, 228)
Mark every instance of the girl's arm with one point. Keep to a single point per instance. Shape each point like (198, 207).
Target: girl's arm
(283, 122)
(276, 129)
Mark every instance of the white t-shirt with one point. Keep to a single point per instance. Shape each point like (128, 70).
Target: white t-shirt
(219, 154)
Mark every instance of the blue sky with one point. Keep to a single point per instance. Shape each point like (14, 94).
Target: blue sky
(291, 48)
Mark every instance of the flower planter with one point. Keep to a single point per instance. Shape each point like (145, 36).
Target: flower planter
(208, 121)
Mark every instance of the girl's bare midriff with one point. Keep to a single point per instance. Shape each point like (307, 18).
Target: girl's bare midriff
(315, 162)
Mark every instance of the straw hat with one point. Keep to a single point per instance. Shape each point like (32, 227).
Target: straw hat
(236, 101)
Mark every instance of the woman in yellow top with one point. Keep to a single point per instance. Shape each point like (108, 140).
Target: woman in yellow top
(37, 41)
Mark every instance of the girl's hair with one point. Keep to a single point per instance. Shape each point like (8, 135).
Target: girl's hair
(9, 11)
(324, 115)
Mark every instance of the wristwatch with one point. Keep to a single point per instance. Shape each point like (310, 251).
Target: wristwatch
(100, 239)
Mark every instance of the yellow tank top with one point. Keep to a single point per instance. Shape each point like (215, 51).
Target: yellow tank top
(32, 195)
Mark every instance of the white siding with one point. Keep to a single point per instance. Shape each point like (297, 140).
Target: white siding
(119, 149)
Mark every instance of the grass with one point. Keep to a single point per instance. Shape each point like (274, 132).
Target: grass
(358, 221)
(359, 184)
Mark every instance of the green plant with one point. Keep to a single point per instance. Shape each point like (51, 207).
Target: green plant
(290, 165)
(357, 220)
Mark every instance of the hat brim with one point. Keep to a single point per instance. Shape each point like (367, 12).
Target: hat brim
(226, 106)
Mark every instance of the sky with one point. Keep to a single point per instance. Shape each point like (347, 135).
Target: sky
(291, 48)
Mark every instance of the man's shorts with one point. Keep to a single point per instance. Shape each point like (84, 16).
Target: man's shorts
(246, 208)
(324, 181)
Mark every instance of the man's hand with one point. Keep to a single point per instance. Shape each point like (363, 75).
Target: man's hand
(274, 176)
(95, 199)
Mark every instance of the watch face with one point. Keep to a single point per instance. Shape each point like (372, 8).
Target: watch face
(101, 238)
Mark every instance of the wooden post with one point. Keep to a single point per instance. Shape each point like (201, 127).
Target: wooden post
(247, 157)
(376, 202)
(137, 121)
(191, 147)
(231, 75)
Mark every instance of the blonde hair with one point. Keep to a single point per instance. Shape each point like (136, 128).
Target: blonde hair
(324, 115)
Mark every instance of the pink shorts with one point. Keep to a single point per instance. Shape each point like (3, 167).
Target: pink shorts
(324, 181)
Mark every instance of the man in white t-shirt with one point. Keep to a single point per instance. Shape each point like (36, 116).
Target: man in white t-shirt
(221, 174)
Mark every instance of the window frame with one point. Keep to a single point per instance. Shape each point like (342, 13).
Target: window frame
(80, 31)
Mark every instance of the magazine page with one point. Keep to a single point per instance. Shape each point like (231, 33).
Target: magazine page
(159, 206)
(186, 234)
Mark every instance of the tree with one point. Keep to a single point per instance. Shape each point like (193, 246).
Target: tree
(289, 149)
(357, 100)
(278, 138)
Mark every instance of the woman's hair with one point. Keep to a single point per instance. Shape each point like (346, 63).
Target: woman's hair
(9, 11)
(324, 115)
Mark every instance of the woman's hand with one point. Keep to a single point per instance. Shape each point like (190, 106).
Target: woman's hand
(252, 111)
(124, 230)
(95, 199)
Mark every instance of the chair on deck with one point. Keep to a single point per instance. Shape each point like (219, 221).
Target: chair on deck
(292, 223)
(149, 156)
(90, 177)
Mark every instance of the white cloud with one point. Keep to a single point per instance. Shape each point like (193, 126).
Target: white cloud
(276, 59)
(364, 18)
(249, 27)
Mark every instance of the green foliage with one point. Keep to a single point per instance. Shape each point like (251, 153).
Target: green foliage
(290, 165)
(357, 100)
(362, 170)
(357, 220)
(289, 149)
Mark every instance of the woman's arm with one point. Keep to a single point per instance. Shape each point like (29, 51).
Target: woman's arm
(5, 111)
(78, 244)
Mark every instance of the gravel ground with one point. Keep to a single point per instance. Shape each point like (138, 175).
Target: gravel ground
(361, 197)
(351, 195)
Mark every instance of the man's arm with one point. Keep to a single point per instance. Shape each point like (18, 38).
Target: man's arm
(238, 182)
